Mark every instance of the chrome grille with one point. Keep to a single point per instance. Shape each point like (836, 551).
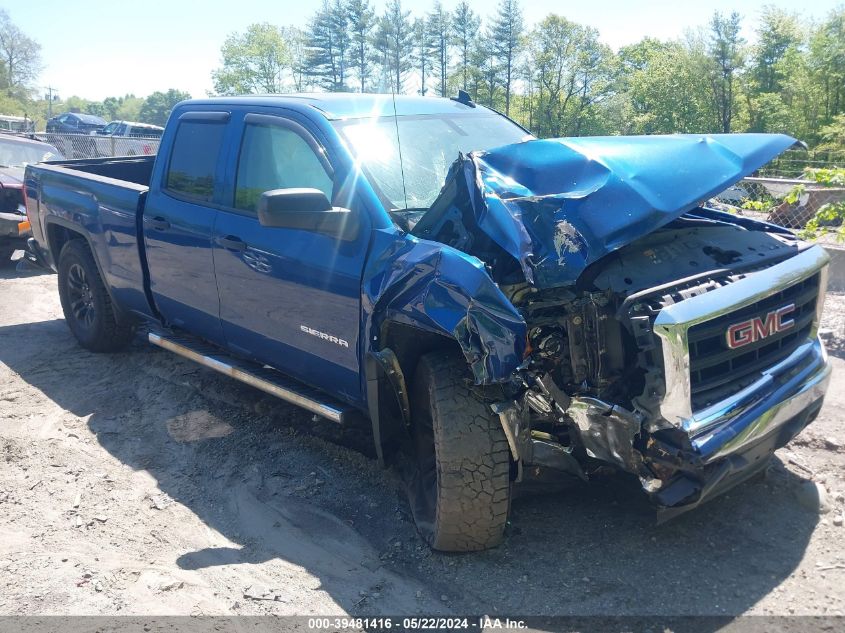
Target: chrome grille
(717, 371)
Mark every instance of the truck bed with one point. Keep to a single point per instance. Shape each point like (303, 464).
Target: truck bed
(130, 168)
(103, 198)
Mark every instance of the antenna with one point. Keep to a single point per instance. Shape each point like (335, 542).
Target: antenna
(464, 98)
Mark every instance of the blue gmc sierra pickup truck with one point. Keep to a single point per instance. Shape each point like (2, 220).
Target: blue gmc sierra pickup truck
(495, 307)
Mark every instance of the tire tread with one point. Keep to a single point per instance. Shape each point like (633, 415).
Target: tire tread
(112, 334)
(472, 457)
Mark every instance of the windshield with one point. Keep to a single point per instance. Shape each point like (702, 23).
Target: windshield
(14, 154)
(429, 145)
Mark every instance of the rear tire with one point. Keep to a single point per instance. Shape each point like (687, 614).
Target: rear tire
(461, 489)
(86, 303)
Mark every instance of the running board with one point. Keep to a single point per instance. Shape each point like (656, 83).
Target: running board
(263, 378)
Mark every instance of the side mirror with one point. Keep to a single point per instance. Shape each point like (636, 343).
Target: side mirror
(308, 210)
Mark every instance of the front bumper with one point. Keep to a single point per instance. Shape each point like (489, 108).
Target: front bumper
(741, 445)
(775, 422)
(731, 440)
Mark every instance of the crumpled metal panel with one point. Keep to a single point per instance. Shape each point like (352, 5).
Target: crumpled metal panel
(559, 205)
(439, 289)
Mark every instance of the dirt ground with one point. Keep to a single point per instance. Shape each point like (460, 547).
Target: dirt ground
(139, 483)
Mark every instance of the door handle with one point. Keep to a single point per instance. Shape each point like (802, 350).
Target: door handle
(232, 243)
(159, 224)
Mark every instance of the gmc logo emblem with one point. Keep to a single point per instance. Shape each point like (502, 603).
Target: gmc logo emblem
(756, 329)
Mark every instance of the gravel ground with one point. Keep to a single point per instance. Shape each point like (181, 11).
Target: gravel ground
(139, 483)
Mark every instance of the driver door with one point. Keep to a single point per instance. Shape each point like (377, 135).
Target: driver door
(282, 289)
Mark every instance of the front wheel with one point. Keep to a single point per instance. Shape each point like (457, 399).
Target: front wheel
(461, 489)
(86, 303)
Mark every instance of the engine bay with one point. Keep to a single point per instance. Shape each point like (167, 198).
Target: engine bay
(593, 377)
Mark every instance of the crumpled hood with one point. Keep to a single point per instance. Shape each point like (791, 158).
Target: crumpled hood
(559, 205)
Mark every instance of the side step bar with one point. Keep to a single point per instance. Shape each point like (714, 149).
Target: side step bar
(263, 378)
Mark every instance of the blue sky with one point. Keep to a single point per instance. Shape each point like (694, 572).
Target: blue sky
(100, 48)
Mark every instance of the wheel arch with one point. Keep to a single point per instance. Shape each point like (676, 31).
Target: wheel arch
(58, 234)
(390, 369)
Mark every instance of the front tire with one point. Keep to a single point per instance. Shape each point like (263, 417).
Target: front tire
(460, 493)
(86, 303)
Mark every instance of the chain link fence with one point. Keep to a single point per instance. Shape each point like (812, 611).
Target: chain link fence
(792, 163)
(787, 202)
(98, 146)
(781, 193)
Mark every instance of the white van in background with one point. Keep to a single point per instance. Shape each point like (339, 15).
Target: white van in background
(128, 138)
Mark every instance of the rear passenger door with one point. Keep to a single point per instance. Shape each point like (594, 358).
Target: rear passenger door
(178, 223)
(289, 298)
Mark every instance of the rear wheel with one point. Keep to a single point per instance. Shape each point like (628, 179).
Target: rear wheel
(461, 489)
(86, 303)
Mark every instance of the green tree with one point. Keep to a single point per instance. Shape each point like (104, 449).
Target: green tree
(486, 73)
(800, 100)
(827, 62)
(361, 24)
(329, 46)
(777, 32)
(381, 55)
(465, 25)
(727, 57)
(20, 58)
(157, 107)
(124, 108)
(297, 41)
(423, 45)
(505, 36)
(399, 39)
(339, 23)
(253, 62)
(833, 135)
(439, 25)
(572, 71)
(664, 88)
(129, 109)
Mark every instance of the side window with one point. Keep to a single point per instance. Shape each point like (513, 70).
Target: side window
(193, 159)
(276, 157)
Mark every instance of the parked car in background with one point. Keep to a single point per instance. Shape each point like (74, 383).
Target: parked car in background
(128, 138)
(16, 124)
(15, 154)
(132, 129)
(75, 123)
(70, 133)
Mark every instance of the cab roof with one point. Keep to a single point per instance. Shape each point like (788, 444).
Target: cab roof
(350, 105)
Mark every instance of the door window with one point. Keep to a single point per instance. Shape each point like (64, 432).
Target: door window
(193, 159)
(276, 157)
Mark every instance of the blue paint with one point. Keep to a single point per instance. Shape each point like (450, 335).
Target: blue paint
(559, 205)
(555, 206)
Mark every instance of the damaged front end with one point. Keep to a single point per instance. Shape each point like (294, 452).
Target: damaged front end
(638, 380)
(626, 289)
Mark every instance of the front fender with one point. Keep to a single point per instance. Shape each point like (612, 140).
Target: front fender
(439, 289)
